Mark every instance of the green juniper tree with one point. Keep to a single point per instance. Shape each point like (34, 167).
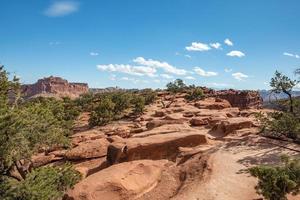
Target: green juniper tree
(26, 129)
(176, 86)
(281, 83)
(275, 182)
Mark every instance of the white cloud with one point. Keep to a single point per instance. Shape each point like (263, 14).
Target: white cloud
(216, 45)
(198, 46)
(54, 43)
(128, 69)
(189, 78)
(291, 55)
(61, 8)
(219, 84)
(185, 55)
(227, 70)
(202, 72)
(94, 53)
(235, 53)
(167, 76)
(239, 76)
(157, 64)
(228, 42)
(134, 80)
(156, 81)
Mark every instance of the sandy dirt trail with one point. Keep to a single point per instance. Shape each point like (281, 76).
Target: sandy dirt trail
(226, 177)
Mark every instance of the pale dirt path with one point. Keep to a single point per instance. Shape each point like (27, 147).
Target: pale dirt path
(226, 178)
(223, 181)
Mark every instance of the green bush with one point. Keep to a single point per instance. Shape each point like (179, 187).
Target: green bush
(195, 94)
(103, 113)
(149, 95)
(85, 102)
(65, 110)
(275, 182)
(138, 104)
(26, 129)
(280, 124)
(44, 183)
(176, 86)
(121, 100)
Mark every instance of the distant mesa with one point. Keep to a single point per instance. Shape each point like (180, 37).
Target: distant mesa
(54, 87)
(58, 87)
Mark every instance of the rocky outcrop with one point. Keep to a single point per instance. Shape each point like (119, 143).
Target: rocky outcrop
(128, 180)
(240, 98)
(156, 147)
(54, 87)
(88, 149)
(230, 125)
(213, 103)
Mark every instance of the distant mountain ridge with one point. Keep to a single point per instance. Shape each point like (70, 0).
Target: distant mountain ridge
(265, 95)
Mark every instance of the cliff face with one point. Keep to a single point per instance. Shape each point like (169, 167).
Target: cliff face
(54, 86)
(238, 98)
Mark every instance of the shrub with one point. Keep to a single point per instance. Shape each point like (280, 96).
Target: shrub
(274, 183)
(195, 94)
(281, 83)
(43, 183)
(103, 113)
(149, 95)
(176, 86)
(65, 110)
(121, 100)
(138, 104)
(26, 129)
(280, 124)
(85, 101)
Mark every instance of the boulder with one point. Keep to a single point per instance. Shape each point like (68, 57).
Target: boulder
(125, 181)
(232, 124)
(42, 159)
(157, 123)
(188, 114)
(123, 132)
(155, 147)
(197, 121)
(165, 129)
(159, 114)
(176, 110)
(212, 121)
(211, 103)
(86, 135)
(88, 149)
(86, 168)
(231, 112)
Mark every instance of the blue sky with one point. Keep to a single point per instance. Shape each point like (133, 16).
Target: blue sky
(147, 43)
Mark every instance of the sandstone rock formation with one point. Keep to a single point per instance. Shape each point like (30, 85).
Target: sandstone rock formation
(54, 87)
(124, 181)
(156, 147)
(166, 153)
(242, 99)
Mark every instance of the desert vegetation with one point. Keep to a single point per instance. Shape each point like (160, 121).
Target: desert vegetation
(275, 182)
(25, 129)
(113, 106)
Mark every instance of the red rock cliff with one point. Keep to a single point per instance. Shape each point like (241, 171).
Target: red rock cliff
(54, 86)
(237, 98)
